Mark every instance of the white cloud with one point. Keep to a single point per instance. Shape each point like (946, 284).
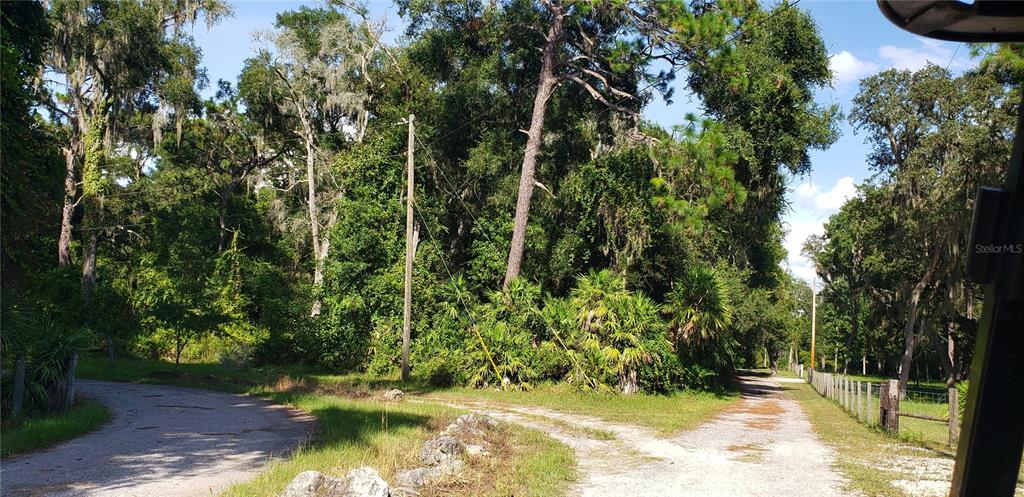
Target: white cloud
(826, 202)
(847, 68)
(933, 51)
(812, 208)
(796, 235)
(833, 199)
(806, 190)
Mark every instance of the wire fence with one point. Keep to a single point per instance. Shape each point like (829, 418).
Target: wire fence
(880, 404)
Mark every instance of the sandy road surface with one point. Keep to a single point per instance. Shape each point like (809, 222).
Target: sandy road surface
(161, 441)
(762, 447)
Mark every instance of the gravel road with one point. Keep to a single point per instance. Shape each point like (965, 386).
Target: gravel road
(161, 441)
(762, 447)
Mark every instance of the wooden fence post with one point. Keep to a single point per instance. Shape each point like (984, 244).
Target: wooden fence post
(889, 406)
(954, 416)
(856, 399)
(867, 410)
(842, 392)
(69, 387)
(846, 392)
(849, 394)
(862, 403)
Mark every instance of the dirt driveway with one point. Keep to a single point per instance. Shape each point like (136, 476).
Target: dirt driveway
(161, 441)
(762, 447)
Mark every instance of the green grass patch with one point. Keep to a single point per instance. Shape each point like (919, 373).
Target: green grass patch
(28, 434)
(926, 433)
(665, 413)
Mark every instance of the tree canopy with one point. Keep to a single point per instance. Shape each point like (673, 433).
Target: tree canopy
(561, 236)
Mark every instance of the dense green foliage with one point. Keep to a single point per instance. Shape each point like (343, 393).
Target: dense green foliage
(262, 221)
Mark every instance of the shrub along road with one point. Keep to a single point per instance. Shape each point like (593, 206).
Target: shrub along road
(161, 440)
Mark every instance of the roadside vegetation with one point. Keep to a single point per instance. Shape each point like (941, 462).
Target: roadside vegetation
(26, 434)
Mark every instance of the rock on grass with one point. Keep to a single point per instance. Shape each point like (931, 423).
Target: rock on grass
(360, 482)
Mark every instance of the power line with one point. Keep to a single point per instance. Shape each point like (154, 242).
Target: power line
(454, 191)
(954, 55)
(458, 293)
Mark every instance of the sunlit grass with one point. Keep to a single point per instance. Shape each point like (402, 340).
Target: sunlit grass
(29, 434)
(930, 434)
(665, 413)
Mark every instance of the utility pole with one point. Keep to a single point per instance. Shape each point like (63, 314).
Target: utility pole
(409, 252)
(814, 317)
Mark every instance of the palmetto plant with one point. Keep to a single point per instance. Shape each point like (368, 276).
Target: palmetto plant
(612, 324)
(698, 307)
(46, 347)
(503, 327)
(634, 317)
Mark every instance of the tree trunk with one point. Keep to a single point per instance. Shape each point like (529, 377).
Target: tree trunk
(545, 87)
(946, 357)
(628, 382)
(179, 346)
(909, 338)
(89, 264)
(70, 190)
(314, 223)
(69, 381)
(222, 240)
(76, 123)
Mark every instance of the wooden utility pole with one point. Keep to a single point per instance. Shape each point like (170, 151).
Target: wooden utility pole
(814, 318)
(409, 251)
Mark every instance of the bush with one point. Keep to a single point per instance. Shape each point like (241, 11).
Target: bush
(665, 373)
(385, 347)
(47, 348)
(445, 370)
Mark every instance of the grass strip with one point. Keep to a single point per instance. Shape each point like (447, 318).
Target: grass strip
(23, 435)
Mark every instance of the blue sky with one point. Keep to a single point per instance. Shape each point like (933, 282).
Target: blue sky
(859, 40)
